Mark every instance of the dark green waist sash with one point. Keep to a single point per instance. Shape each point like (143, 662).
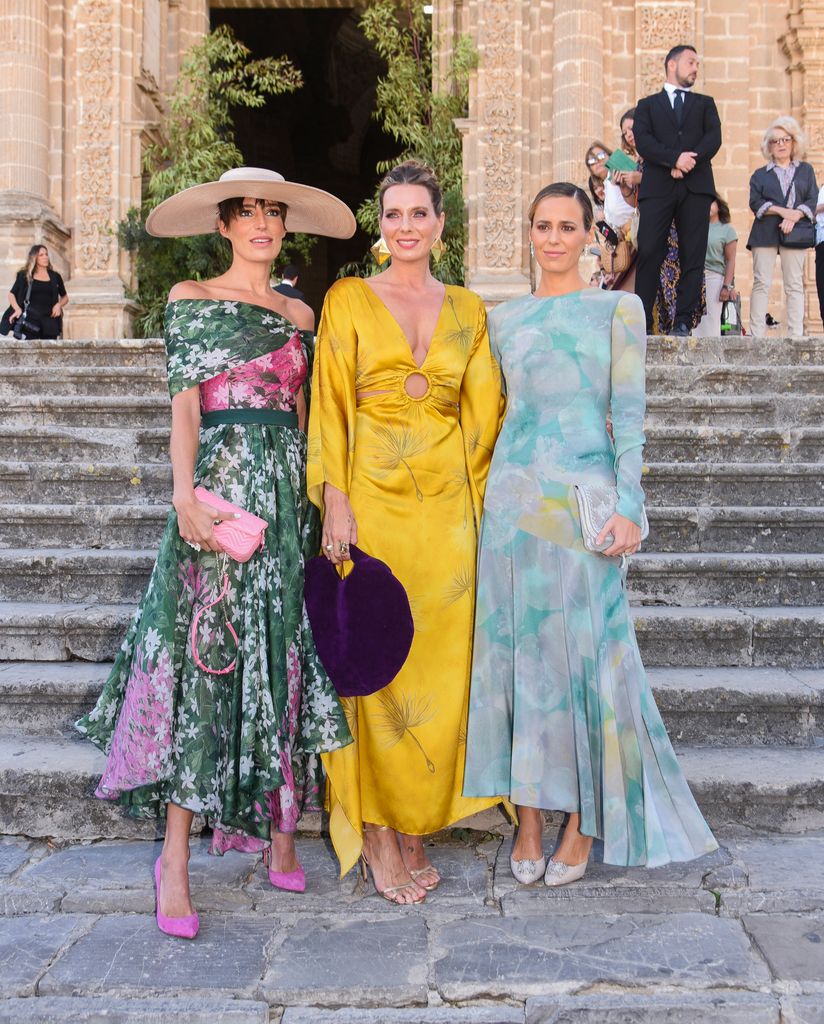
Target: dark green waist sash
(272, 417)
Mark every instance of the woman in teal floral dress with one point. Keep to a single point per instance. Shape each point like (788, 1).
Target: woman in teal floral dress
(561, 714)
(242, 748)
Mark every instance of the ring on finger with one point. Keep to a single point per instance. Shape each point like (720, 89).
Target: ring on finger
(328, 547)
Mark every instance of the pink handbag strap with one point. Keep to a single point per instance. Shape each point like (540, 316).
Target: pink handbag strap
(229, 626)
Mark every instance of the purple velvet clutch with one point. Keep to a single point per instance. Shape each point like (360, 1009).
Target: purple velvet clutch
(362, 624)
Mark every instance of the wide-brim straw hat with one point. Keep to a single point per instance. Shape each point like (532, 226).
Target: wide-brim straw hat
(194, 210)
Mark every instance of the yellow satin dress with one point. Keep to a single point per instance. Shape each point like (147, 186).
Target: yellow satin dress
(415, 472)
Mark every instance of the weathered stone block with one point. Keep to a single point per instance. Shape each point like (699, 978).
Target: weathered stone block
(329, 962)
(792, 945)
(126, 955)
(29, 944)
(680, 1008)
(170, 1010)
(522, 957)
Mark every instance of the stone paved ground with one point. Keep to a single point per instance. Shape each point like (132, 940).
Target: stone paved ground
(736, 937)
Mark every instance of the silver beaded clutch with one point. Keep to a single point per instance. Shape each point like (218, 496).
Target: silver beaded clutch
(596, 504)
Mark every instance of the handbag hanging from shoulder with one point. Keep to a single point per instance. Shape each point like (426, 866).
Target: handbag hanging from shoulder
(802, 235)
(597, 503)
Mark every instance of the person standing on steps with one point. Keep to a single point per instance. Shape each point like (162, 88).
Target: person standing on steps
(40, 290)
(289, 283)
(400, 438)
(228, 720)
(677, 133)
(561, 715)
(783, 199)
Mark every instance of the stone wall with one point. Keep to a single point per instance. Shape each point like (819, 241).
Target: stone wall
(85, 82)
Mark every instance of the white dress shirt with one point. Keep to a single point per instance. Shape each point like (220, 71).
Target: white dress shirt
(670, 88)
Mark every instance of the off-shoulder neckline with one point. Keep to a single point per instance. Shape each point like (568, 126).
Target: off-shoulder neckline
(251, 305)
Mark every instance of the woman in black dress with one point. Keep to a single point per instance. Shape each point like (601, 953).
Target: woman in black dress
(46, 298)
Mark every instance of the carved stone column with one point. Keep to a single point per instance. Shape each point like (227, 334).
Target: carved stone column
(803, 45)
(494, 150)
(26, 213)
(577, 84)
(100, 149)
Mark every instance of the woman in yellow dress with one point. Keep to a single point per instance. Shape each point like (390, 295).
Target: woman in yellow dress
(407, 409)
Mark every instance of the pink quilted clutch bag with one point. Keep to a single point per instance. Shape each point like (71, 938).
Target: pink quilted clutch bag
(240, 538)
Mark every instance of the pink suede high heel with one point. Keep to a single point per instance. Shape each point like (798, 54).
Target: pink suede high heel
(179, 927)
(290, 881)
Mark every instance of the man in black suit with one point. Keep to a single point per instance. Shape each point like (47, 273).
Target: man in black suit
(288, 283)
(677, 132)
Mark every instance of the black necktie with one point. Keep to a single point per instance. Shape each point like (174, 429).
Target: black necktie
(678, 106)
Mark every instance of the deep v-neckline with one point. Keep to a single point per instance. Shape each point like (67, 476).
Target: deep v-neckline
(420, 365)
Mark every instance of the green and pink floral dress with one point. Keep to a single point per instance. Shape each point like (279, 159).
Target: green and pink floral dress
(242, 749)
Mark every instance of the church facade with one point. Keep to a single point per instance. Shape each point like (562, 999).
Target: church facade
(85, 83)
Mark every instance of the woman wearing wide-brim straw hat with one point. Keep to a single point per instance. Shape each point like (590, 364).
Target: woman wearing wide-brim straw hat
(185, 732)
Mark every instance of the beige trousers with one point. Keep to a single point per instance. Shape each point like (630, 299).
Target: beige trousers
(792, 271)
(710, 326)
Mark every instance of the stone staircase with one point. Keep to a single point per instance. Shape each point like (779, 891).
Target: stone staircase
(727, 597)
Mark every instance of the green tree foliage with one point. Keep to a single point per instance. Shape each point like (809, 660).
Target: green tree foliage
(197, 145)
(419, 113)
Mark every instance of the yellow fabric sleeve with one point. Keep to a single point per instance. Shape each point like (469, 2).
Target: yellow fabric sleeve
(331, 439)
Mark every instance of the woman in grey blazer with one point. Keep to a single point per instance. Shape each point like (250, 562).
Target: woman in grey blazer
(782, 195)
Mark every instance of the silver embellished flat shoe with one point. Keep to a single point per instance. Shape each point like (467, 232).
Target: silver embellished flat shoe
(527, 871)
(558, 873)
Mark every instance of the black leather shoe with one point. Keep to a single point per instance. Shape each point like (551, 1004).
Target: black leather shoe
(681, 331)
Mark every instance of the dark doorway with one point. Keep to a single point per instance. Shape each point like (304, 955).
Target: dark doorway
(324, 134)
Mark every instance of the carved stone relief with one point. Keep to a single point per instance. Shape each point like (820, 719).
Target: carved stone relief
(500, 133)
(95, 248)
(659, 27)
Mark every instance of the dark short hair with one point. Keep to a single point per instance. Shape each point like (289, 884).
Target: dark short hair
(290, 271)
(724, 214)
(566, 190)
(676, 52)
(230, 208)
(413, 172)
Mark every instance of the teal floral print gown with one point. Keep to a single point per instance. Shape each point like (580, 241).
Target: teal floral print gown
(561, 715)
(243, 748)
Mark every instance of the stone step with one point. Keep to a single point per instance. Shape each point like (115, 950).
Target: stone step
(84, 526)
(743, 350)
(790, 637)
(765, 410)
(734, 483)
(711, 578)
(726, 379)
(734, 707)
(712, 707)
(83, 352)
(662, 379)
(16, 381)
(761, 789)
(700, 579)
(733, 444)
(85, 483)
(736, 411)
(87, 410)
(39, 443)
(761, 530)
(726, 637)
(47, 443)
(672, 528)
(737, 349)
(699, 483)
(46, 786)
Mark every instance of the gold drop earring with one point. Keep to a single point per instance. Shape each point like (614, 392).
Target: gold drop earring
(380, 250)
(438, 249)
